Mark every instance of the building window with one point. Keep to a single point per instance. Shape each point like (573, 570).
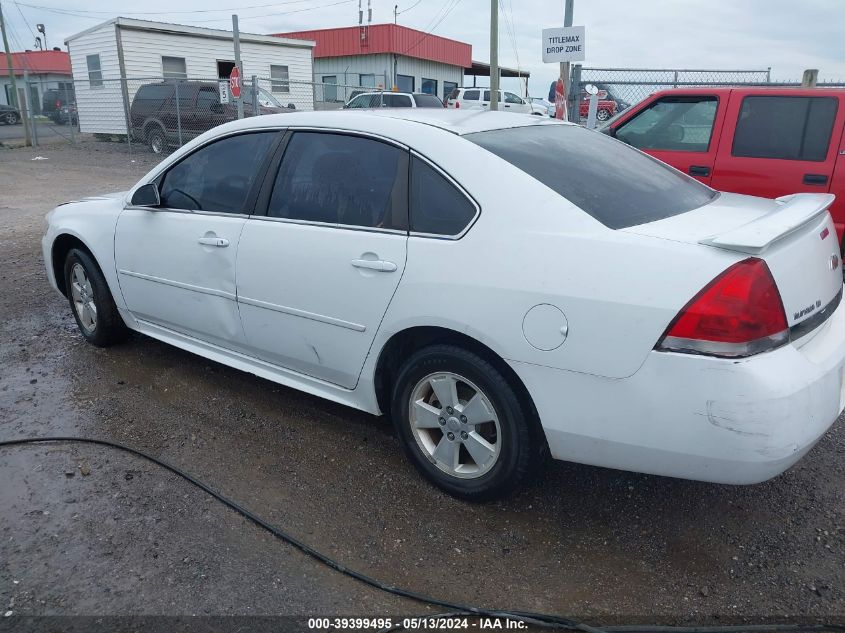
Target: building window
(405, 83)
(367, 81)
(329, 87)
(95, 73)
(448, 88)
(429, 86)
(279, 79)
(174, 67)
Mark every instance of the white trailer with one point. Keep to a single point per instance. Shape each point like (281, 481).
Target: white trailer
(112, 60)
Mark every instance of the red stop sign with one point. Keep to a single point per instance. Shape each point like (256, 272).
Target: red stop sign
(235, 82)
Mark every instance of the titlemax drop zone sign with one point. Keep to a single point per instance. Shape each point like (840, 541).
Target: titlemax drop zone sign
(564, 44)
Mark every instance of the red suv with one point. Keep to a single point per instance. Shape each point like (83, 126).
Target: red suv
(765, 142)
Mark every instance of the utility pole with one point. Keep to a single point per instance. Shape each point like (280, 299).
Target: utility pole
(236, 36)
(494, 55)
(8, 57)
(564, 66)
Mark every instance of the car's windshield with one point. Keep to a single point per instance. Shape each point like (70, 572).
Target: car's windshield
(616, 184)
(267, 100)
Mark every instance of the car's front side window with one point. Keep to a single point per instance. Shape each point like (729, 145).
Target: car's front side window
(218, 177)
(341, 179)
(683, 124)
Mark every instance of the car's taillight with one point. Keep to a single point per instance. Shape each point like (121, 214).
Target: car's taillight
(58, 103)
(457, 104)
(739, 313)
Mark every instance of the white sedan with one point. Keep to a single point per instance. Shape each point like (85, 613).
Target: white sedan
(503, 286)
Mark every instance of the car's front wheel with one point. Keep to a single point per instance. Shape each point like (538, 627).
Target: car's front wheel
(91, 301)
(603, 115)
(10, 118)
(462, 423)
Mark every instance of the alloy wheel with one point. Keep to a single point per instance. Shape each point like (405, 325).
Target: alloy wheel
(83, 298)
(455, 425)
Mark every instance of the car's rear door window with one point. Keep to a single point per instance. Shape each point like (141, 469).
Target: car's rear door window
(614, 183)
(438, 207)
(471, 95)
(342, 179)
(785, 127)
(397, 101)
(217, 177)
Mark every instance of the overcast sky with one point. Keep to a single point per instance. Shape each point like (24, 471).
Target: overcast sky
(788, 35)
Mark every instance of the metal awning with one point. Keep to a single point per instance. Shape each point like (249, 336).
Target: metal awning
(480, 69)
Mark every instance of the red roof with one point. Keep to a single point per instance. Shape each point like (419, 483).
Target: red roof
(386, 38)
(37, 62)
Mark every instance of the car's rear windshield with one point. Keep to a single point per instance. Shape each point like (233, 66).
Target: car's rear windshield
(616, 184)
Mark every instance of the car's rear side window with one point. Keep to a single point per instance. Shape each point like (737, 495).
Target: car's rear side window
(427, 101)
(471, 95)
(790, 128)
(616, 184)
(153, 92)
(437, 206)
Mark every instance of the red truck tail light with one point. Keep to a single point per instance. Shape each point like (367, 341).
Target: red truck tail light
(739, 313)
(457, 104)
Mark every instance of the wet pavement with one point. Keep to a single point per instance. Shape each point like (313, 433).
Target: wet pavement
(88, 530)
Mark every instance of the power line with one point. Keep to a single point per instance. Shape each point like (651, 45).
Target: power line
(228, 9)
(429, 30)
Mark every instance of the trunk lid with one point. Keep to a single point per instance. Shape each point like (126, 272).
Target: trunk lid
(793, 234)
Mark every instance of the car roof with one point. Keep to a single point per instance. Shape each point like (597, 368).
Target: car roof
(760, 90)
(457, 122)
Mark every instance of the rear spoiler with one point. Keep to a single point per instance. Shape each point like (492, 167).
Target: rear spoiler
(795, 211)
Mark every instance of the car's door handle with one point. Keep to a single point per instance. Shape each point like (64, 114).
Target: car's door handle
(374, 264)
(222, 242)
(815, 179)
(699, 170)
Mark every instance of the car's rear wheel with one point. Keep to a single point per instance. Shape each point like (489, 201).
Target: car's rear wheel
(463, 424)
(155, 139)
(10, 118)
(603, 115)
(91, 301)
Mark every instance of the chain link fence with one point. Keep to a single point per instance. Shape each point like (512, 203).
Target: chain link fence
(620, 88)
(155, 114)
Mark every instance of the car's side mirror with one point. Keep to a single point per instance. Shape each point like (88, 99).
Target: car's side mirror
(146, 196)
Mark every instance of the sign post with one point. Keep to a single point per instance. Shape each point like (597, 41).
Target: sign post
(235, 83)
(563, 45)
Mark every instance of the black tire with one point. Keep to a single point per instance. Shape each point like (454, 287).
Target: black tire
(522, 445)
(108, 327)
(603, 115)
(10, 118)
(156, 140)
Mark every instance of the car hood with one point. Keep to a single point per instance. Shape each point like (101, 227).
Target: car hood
(117, 195)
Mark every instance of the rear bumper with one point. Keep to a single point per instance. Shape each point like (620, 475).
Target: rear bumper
(694, 417)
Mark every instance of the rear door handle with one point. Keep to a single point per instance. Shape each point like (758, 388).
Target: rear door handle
(815, 179)
(699, 170)
(222, 242)
(375, 264)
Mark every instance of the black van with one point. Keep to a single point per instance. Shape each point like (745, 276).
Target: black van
(59, 104)
(160, 120)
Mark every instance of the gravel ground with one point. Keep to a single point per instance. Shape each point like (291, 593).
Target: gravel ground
(88, 530)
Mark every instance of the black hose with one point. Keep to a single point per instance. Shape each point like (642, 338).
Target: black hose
(456, 609)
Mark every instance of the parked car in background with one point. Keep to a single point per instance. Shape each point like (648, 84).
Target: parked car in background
(347, 254)
(59, 104)
(611, 92)
(383, 99)
(160, 120)
(605, 109)
(479, 99)
(766, 142)
(9, 115)
(545, 104)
